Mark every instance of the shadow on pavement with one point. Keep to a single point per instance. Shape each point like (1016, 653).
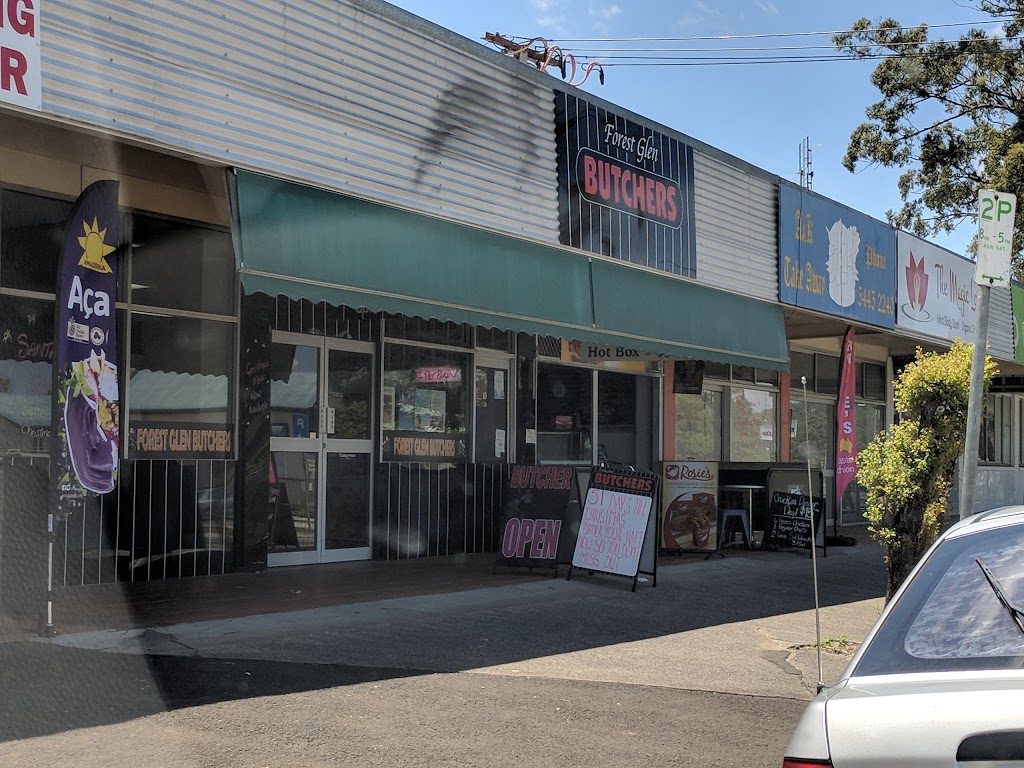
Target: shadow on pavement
(48, 689)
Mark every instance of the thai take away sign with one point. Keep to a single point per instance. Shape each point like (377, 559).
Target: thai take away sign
(936, 290)
(85, 392)
(996, 214)
(835, 260)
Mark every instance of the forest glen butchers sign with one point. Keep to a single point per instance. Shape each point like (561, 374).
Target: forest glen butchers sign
(179, 440)
(423, 446)
(624, 190)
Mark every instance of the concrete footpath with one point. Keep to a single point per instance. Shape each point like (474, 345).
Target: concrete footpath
(741, 624)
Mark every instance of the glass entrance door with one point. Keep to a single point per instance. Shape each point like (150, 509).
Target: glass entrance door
(320, 449)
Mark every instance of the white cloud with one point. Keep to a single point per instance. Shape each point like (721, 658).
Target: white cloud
(767, 7)
(603, 15)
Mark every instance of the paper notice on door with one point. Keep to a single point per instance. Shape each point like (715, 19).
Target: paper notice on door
(499, 443)
(499, 385)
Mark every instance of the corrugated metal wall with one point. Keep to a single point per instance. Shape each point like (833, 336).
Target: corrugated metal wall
(737, 233)
(1000, 324)
(314, 90)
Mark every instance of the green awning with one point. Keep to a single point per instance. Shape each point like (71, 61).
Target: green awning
(322, 246)
(713, 325)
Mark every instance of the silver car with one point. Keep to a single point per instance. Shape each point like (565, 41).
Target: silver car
(939, 681)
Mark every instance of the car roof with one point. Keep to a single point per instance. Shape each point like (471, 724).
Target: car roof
(984, 521)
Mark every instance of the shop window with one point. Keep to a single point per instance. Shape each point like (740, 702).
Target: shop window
(425, 404)
(996, 430)
(428, 331)
(826, 380)
(752, 420)
(716, 371)
(176, 265)
(801, 365)
(180, 370)
(494, 338)
(870, 421)
(564, 405)
(871, 382)
(698, 427)
(26, 374)
(813, 430)
(32, 230)
(743, 374)
(771, 378)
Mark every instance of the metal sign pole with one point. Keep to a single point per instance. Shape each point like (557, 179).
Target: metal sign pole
(969, 476)
(997, 213)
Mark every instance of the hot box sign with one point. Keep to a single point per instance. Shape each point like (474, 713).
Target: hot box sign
(20, 69)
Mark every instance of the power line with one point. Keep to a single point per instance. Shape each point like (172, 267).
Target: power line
(664, 61)
(588, 51)
(992, 20)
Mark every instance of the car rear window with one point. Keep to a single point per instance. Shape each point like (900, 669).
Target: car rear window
(950, 618)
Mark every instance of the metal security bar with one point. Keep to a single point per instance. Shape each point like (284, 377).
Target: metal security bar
(167, 519)
(426, 511)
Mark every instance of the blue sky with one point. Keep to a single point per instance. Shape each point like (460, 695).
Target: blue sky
(760, 113)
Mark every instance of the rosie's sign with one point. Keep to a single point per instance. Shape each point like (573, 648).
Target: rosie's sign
(624, 190)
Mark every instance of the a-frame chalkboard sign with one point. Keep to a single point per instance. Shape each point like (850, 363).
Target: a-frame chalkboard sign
(790, 521)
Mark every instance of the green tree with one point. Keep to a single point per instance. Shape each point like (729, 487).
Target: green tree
(950, 114)
(909, 469)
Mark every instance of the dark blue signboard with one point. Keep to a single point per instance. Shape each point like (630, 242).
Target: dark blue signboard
(835, 260)
(624, 189)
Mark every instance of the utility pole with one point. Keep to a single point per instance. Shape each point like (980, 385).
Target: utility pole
(996, 214)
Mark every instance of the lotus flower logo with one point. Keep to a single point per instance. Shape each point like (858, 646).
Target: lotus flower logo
(917, 283)
(917, 291)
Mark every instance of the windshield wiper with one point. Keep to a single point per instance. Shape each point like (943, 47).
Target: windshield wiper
(1016, 613)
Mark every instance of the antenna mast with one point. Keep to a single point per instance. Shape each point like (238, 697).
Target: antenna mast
(806, 174)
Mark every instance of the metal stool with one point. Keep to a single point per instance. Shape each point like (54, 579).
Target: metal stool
(734, 521)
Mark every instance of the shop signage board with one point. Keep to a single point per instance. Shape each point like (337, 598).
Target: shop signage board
(536, 522)
(689, 506)
(618, 533)
(790, 524)
(179, 440)
(86, 401)
(835, 260)
(1017, 300)
(21, 79)
(624, 189)
(400, 445)
(936, 290)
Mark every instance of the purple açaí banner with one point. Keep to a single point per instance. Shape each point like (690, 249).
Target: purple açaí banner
(85, 391)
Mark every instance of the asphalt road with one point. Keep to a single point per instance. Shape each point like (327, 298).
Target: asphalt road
(706, 670)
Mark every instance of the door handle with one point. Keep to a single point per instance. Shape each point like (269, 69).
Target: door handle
(330, 422)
